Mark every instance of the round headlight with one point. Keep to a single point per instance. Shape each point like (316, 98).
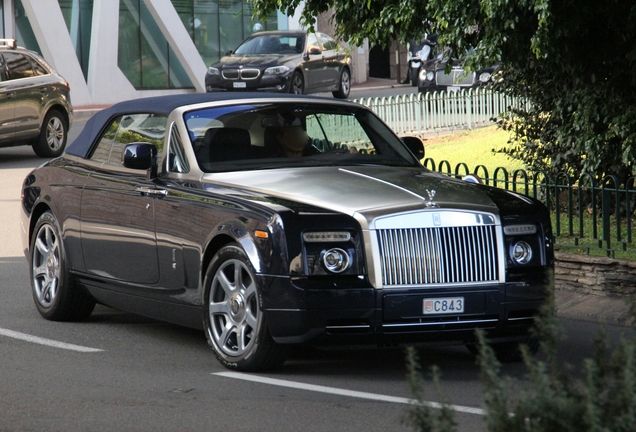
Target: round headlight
(521, 253)
(336, 260)
(484, 77)
(430, 75)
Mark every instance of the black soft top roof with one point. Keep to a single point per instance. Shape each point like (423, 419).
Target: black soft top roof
(160, 105)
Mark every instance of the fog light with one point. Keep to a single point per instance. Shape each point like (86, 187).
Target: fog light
(521, 253)
(336, 260)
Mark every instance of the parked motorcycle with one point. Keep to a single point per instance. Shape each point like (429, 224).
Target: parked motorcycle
(420, 52)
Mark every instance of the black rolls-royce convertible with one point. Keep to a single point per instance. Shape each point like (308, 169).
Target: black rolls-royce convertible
(269, 221)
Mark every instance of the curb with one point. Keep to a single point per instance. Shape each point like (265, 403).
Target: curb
(593, 308)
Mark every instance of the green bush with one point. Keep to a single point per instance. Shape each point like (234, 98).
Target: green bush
(604, 399)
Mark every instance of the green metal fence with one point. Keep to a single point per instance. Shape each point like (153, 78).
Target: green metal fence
(588, 215)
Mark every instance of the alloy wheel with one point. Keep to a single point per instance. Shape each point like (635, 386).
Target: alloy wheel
(46, 266)
(233, 308)
(55, 133)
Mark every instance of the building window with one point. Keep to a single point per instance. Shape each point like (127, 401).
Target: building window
(78, 15)
(23, 31)
(144, 55)
(217, 26)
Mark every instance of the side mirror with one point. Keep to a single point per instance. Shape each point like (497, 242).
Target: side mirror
(314, 51)
(228, 52)
(141, 156)
(416, 146)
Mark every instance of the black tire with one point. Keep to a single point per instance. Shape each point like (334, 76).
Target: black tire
(344, 85)
(56, 294)
(53, 136)
(234, 322)
(297, 83)
(509, 352)
(415, 74)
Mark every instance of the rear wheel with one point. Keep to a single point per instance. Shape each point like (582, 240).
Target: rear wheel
(235, 325)
(53, 135)
(297, 84)
(344, 86)
(56, 295)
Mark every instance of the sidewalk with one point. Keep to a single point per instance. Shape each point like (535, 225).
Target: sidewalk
(84, 112)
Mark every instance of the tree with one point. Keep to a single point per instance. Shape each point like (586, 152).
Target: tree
(379, 21)
(572, 61)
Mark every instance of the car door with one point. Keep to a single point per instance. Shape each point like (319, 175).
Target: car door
(28, 97)
(332, 56)
(117, 208)
(314, 64)
(7, 107)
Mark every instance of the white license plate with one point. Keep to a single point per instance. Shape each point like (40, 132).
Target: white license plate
(452, 88)
(444, 305)
(239, 85)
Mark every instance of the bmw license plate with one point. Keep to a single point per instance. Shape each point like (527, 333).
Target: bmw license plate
(444, 305)
(239, 85)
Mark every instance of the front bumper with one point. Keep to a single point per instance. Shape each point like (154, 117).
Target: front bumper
(270, 83)
(358, 314)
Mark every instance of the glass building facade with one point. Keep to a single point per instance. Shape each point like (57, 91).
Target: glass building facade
(144, 55)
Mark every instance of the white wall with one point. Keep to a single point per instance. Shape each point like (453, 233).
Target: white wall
(106, 84)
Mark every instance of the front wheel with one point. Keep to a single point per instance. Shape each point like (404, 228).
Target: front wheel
(415, 72)
(56, 295)
(344, 86)
(297, 84)
(53, 135)
(235, 325)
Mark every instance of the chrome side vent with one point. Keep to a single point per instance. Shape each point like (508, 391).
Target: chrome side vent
(439, 255)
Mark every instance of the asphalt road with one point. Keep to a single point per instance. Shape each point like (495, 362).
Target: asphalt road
(122, 372)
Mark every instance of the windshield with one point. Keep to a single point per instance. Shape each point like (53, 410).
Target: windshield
(272, 44)
(291, 134)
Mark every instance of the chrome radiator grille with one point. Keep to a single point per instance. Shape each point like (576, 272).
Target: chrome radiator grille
(455, 77)
(439, 255)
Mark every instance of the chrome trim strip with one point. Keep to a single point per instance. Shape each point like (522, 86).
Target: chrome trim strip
(364, 326)
(440, 323)
(521, 319)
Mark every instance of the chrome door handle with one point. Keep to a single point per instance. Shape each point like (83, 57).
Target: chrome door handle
(159, 193)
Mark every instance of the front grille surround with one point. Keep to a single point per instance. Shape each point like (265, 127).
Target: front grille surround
(245, 74)
(456, 77)
(438, 248)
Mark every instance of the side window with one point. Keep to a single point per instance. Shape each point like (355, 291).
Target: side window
(327, 42)
(38, 68)
(3, 69)
(18, 66)
(177, 161)
(128, 129)
(312, 42)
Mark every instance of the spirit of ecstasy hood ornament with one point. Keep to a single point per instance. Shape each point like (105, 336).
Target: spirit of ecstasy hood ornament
(431, 196)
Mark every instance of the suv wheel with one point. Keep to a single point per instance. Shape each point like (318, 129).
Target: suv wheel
(52, 139)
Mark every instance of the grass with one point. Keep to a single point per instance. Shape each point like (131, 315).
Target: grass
(474, 148)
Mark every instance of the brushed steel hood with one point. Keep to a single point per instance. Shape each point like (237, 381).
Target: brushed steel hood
(369, 190)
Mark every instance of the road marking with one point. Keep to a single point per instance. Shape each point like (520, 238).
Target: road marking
(47, 342)
(344, 392)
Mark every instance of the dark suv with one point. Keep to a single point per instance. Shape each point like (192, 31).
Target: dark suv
(35, 103)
